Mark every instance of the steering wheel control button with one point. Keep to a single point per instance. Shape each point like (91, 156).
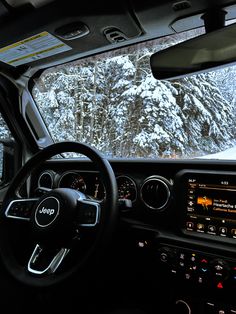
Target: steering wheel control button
(47, 211)
(20, 209)
(88, 213)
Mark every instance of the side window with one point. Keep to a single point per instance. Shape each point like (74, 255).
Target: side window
(7, 146)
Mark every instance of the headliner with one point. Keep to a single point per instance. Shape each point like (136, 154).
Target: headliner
(136, 20)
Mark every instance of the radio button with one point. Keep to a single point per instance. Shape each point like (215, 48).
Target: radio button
(218, 267)
(182, 264)
(233, 232)
(187, 276)
(190, 225)
(220, 270)
(212, 229)
(200, 280)
(200, 227)
(223, 231)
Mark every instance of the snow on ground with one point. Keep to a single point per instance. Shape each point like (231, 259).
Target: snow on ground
(229, 153)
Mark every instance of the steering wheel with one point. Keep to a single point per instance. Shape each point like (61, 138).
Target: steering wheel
(56, 221)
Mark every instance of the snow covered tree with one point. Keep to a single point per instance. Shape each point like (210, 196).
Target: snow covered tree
(207, 116)
(113, 102)
(5, 133)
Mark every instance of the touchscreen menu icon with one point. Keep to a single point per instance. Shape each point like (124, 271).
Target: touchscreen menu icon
(191, 202)
(200, 227)
(190, 225)
(233, 232)
(223, 231)
(212, 229)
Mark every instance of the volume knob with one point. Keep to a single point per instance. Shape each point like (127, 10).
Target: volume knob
(167, 255)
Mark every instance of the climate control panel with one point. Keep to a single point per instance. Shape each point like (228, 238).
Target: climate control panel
(199, 267)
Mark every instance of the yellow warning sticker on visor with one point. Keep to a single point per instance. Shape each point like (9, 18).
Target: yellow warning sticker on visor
(31, 49)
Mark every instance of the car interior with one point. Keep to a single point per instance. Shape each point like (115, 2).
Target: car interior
(117, 156)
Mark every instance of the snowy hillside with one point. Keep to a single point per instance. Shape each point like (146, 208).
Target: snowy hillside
(229, 154)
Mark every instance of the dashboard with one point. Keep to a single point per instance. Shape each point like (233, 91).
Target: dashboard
(180, 214)
(194, 201)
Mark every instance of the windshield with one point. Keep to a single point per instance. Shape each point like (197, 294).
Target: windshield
(112, 102)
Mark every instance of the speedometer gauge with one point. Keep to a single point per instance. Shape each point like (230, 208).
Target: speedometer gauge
(126, 188)
(72, 180)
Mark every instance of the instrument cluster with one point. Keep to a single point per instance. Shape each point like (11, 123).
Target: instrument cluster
(88, 183)
(154, 191)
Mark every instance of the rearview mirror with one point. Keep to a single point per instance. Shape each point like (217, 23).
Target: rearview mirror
(205, 52)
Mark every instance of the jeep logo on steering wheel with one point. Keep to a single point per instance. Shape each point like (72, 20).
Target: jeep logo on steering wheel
(47, 211)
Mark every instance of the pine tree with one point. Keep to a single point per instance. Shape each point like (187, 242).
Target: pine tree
(207, 116)
(113, 102)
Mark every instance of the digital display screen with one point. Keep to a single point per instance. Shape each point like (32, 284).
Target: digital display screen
(211, 205)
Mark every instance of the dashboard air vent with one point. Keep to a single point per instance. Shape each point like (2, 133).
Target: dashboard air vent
(155, 193)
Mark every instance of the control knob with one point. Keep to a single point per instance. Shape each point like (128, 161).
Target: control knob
(167, 256)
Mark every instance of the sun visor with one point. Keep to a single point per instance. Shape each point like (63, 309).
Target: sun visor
(33, 48)
(33, 41)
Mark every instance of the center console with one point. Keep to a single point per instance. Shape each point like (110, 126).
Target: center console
(202, 253)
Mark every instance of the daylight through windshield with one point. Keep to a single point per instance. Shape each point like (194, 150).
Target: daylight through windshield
(112, 102)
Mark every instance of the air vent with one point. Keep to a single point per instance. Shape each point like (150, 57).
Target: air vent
(114, 35)
(181, 5)
(155, 193)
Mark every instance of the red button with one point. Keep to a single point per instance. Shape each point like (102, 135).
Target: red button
(204, 261)
(220, 285)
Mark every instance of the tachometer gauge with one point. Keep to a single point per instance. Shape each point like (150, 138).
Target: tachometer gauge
(72, 180)
(126, 188)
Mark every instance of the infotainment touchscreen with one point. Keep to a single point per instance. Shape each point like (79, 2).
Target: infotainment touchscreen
(210, 203)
